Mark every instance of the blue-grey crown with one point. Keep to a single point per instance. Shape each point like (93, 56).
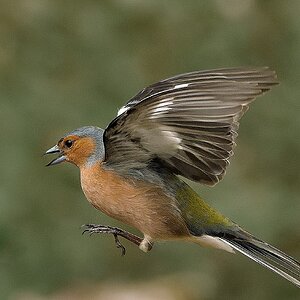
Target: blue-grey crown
(91, 131)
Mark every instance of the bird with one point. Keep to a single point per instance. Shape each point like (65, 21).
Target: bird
(181, 127)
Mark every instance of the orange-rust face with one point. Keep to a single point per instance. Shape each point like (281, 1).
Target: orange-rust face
(77, 149)
(74, 149)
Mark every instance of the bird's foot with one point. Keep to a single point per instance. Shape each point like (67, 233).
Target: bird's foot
(116, 232)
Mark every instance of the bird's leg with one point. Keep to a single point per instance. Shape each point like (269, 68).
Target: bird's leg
(116, 232)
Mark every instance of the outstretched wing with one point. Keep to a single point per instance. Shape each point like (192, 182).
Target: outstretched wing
(188, 122)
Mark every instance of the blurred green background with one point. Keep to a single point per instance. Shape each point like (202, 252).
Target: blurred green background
(65, 64)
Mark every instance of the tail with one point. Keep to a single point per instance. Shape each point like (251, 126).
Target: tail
(266, 255)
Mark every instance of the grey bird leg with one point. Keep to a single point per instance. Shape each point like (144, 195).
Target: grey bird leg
(94, 228)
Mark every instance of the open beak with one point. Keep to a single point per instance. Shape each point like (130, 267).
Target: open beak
(61, 158)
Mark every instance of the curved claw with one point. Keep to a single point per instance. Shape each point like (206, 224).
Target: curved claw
(119, 245)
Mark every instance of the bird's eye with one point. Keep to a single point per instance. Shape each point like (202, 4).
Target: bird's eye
(68, 143)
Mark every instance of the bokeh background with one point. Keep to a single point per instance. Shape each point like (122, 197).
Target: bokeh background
(65, 64)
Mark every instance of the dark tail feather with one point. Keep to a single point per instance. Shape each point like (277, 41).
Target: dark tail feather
(266, 255)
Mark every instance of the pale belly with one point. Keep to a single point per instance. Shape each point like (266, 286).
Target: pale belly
(133, 202)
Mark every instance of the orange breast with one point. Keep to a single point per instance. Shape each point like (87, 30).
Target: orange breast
(134, 202)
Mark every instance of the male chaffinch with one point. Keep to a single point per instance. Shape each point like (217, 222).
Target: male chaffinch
(185, 125)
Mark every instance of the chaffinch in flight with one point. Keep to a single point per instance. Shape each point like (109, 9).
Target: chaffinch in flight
(185, 125)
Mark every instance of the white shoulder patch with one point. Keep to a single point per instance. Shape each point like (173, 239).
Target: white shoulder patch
(122, 110)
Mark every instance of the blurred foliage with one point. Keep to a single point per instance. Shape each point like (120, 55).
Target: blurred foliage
(65, 64)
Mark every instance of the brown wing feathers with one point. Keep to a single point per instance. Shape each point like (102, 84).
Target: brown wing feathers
(189, 121)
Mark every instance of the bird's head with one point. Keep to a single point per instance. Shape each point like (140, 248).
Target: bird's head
(83, 146)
